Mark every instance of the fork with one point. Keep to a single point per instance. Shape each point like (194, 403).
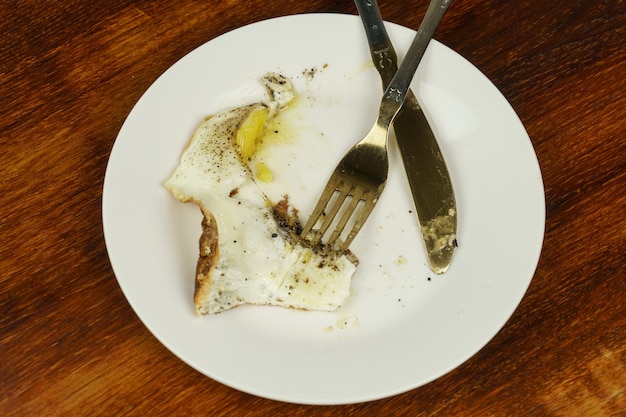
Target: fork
(358, 180)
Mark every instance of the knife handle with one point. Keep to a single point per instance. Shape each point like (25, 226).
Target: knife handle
(397, 90)
(383, 55)
(399, 85)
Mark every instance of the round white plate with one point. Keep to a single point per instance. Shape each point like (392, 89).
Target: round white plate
(403, 326)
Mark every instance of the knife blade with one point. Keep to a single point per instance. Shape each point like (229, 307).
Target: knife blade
(425, 166)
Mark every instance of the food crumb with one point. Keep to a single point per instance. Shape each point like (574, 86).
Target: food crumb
(401, 260)
(347, 323)
(309, 73)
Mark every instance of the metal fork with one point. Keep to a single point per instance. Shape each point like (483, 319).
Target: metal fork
(360, 177)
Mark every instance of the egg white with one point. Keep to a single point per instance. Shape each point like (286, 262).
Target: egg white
(258, 262)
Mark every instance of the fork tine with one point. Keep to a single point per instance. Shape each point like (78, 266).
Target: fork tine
(319, 212)
(342, 189)
(357, 194)
(367, 208)
(315, 217)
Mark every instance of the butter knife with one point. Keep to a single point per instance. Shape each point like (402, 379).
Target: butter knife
(429, 179)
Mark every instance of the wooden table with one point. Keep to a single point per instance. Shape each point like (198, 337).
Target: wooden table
(70, 344)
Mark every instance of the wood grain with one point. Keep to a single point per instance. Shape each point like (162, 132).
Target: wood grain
(70, 344)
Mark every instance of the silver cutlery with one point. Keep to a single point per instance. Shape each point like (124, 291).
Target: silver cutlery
(429, 179)
(360, 177)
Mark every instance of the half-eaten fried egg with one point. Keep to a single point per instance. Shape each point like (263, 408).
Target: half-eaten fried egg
(247, 252)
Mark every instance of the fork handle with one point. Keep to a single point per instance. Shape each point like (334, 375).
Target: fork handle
(397, 89)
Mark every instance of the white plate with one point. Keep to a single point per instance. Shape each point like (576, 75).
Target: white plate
(403, 326)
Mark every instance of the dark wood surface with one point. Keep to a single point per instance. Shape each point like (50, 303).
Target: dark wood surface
(70, 73)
